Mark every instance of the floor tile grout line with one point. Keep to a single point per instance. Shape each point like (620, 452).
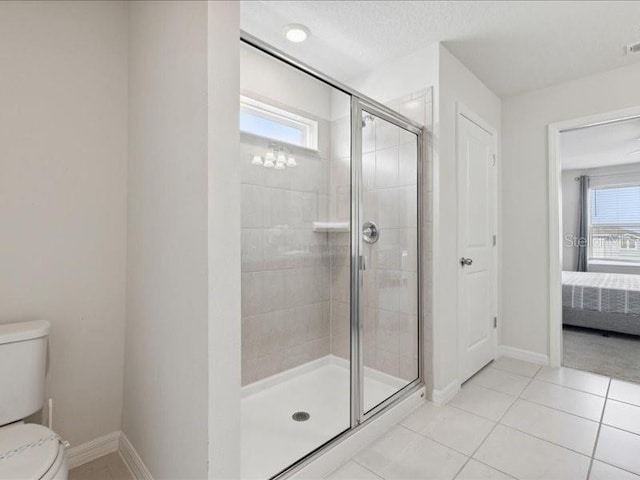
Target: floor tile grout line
(433, 440)
(489, 434)
(557, 409)
(586, 455)
(622, 401)
(615, 466)
(492, 367)
(514, 373)
(570, 388)
(499, 422)
(595, 444)
(492, 467)
(469, 457)
(573, 388)
(353, 459)
(620, 429)
(519, 397)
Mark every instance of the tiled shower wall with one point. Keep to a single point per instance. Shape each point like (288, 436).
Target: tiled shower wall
(390, 200)
(296, 282)
(285, 264)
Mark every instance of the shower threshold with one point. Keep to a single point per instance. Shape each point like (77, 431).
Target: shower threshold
(271, 439)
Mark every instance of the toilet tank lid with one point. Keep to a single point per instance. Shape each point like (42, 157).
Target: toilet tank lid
(18, 332)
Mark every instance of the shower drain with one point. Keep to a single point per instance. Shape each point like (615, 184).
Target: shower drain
(301, 416)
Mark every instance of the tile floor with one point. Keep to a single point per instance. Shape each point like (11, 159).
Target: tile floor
(514, 420)
(511, 420)
(109, 467)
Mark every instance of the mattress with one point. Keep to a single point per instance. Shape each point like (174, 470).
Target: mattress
(601, 292)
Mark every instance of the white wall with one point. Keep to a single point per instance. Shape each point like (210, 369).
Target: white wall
(570, 210)
(182, 356)
(525, 254)
(63, 154)
(457, 85)
(166, 353)
(224, 240)
(277, 83)
(400, 77)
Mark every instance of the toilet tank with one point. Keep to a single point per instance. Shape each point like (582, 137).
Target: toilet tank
(23, 358)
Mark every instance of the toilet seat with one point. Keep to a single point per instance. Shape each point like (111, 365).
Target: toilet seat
(30, 452)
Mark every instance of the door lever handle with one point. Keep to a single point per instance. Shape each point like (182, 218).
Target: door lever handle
(466, 262)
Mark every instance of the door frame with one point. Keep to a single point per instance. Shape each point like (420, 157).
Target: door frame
(463, 111)
(555, 217)
(358, 105)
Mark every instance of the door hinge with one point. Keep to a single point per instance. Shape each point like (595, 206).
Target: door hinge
(495, 240)
(493, 162)
(495, 322)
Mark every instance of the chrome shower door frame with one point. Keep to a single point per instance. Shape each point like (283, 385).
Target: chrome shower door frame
(358, 106)
(360, 103)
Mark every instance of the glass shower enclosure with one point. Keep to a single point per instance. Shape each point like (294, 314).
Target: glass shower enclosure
(331, 235)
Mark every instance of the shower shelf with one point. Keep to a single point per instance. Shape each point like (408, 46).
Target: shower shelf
(324, 227)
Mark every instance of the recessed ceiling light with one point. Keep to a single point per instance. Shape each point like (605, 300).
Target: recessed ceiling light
(296, 33)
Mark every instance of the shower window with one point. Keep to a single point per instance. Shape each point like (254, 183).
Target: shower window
(265, 120)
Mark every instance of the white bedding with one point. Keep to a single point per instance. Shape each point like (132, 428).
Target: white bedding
(602, 292)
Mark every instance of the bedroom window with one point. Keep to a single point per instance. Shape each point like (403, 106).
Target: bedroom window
(615, 224)
(264, 120)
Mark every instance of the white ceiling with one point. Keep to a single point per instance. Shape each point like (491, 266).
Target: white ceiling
(601, 146)
(513, 47)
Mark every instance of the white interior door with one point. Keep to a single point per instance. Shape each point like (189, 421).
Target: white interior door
(476, 249)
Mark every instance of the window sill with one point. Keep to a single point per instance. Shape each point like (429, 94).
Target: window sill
(613, 263)
(292, 146)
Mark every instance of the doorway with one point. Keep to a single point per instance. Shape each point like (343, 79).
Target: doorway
(595, 262)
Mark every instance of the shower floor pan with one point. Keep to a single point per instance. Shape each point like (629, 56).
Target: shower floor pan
(272, 440)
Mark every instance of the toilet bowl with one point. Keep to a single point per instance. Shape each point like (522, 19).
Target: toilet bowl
(27, 451)
(31, 452)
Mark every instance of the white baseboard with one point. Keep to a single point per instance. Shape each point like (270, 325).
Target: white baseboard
(101, 446)
(132, 460)
(525, 355)
(442, 396)
(89, 451)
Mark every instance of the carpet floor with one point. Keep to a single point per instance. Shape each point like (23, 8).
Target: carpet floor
(611, 354)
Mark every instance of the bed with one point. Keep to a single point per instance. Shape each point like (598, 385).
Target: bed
(604, 301)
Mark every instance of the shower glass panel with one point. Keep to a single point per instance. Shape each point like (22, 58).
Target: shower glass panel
(389, 247)
(330, 260)
(296, 203)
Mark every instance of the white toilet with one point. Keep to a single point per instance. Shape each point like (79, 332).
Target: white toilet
(27, 451)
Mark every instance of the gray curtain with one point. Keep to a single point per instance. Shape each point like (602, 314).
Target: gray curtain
(583, 224)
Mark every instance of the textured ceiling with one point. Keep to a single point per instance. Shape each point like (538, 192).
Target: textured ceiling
(601, 146)
(513, 47)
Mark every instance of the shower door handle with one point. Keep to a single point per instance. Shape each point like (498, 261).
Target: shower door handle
(370, 232)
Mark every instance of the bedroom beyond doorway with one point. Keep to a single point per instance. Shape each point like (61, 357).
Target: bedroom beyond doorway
(600, 252)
